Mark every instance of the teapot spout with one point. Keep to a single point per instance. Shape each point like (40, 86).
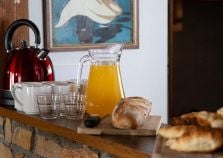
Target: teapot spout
(42, 54)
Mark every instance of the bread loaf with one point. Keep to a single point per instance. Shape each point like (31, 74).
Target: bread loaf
(131, 112)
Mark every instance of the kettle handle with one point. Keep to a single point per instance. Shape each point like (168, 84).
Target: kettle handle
(11, 29)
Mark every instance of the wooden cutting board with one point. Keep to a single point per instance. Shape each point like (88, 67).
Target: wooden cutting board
(150, 128)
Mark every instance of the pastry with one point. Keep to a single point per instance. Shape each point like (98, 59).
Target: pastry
(220, 112)
(175, 131)
(200, 139)
(203, 118)
(195, 132)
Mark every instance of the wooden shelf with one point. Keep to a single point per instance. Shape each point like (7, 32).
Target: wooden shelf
(120, 146)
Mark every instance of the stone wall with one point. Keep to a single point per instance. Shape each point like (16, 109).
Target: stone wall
(18, 140)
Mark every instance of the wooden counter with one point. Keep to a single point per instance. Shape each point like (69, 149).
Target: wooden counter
(120, 146)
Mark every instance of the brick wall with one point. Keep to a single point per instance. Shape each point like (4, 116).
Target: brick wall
(22, 141)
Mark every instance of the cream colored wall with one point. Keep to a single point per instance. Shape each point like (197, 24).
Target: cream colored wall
(144, 70)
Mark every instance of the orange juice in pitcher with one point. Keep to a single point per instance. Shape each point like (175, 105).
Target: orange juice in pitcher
(104, 88)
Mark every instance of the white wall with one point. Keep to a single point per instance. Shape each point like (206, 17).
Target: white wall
(144, 70)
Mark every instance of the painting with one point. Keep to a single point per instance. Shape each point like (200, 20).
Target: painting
(71, 25)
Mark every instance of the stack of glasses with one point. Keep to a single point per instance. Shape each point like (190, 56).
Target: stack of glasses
(51, 99)
(66, 100)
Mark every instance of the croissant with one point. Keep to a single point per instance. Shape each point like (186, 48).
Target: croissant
(131, 113)
(202, 118)
(192, 138)
(195, 132)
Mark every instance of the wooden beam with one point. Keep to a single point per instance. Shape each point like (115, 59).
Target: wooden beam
(9, 12)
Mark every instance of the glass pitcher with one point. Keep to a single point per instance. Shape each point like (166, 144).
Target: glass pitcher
(104, 88)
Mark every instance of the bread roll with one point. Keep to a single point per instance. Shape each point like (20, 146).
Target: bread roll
(131, 112)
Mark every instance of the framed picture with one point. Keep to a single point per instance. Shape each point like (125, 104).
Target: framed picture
(71, 25)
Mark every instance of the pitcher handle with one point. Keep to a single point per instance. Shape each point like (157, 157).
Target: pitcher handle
(83, 60)
(17, 96)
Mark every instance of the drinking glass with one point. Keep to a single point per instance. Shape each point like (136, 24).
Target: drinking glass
(49, 105)
(74, 105)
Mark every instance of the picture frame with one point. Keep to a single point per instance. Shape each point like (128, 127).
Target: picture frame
(72, 25)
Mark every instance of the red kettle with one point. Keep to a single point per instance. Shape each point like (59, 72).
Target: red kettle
(27, 63)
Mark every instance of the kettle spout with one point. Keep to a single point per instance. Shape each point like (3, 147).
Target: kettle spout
(42, 54)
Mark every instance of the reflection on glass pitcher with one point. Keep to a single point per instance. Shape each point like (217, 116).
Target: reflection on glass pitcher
(104, 88)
